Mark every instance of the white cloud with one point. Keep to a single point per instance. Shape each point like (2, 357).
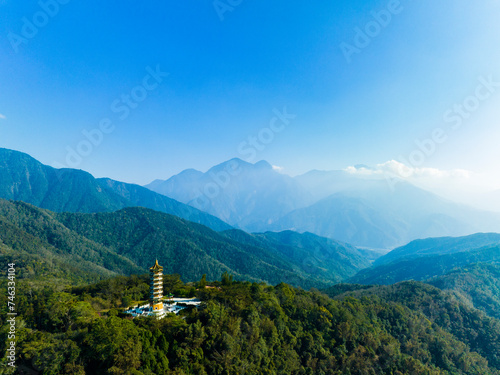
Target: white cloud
(404, 171)
(278, 169)
(362, 171)
(2, 117)
(393, 168)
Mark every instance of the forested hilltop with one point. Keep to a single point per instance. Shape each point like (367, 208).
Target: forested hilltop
(242, 328)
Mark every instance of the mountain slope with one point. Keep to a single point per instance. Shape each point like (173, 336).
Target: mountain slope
(320, 256)
(425, 267)
(346, 219)
(376, 216)
(23, 178)
(478, 285)
(42, 247)
(192, 250)
(431, 257)
(480, 332)
(439, 246)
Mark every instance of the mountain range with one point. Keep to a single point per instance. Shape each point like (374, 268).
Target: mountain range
(364, 210)
(250, 196)
(128, 241)
(71, 190)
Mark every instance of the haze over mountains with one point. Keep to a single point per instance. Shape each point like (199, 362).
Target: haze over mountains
(365, 211)
(250, 196)
(489, 201)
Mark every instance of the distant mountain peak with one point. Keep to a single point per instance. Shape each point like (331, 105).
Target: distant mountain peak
(190, 172)
(263, 165)
(231, 163)
(236, 163)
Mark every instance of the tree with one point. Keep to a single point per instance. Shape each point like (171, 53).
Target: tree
(226, 279)
(126, 301)
(203, 282)
(116, 343)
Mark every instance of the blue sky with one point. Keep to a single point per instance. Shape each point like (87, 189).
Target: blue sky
(231, 70)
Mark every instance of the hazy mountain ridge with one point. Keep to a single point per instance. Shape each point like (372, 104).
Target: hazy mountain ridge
(362, 210)
(243, 194)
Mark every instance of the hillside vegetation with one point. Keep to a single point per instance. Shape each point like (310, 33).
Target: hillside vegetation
(432, 257)
(480, 332)
(242, 327)
(439, 246)
(129, 241)
(477, 285)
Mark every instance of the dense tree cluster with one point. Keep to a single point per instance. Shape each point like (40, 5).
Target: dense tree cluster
(241, 328)
(476, 284)
(469, 325)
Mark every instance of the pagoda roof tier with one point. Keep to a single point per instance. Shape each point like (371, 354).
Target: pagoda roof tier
(156, 267)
